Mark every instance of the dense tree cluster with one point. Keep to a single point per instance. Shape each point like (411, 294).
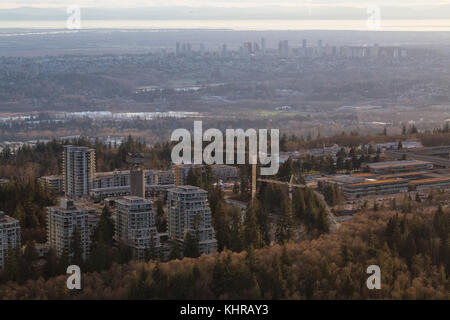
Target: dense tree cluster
(46, 158)
(412, 251)
(26, 201)
(429, 138)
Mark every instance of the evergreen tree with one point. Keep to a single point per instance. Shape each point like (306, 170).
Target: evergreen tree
(191, 246)
(299, 204)
(285, 227)
(12, 265)
(237, 241)
(30, 254)
(161, 217)
(175, 252)
(252, 233)
(193, 178)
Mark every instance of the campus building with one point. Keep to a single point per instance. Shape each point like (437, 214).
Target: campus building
(189, 211)
(442, 183)
(135, 226)
(9, 236)
(399, 166)
(78, 171)
(375, 187)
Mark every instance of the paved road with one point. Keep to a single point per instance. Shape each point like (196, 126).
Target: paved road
(334, 224)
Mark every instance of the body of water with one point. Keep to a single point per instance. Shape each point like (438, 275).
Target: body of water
(386, 25)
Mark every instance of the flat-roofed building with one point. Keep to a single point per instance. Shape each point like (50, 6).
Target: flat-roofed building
(222, 172)
(111, 179)
(225, 173)
(135, 226)
(159, 177)
(375, 187)
(109, 192)
(431, 183)
(405, 175)
(118, 183)
(189, 212)
(399, 166)
(9, 236)
(52, 183)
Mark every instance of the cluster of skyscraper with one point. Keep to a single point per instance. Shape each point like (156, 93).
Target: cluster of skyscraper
(285, 49)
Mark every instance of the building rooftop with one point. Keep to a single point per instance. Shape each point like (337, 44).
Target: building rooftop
(187, 188)
(403, 174)
(376, 182)
(400, 163)
(362, 175)
(111, 173)
(51, 177)
(441, 179)
(132, 199)
(5, 219)
(78, 148)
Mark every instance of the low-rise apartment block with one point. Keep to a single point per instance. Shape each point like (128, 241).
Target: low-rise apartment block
(52, 183)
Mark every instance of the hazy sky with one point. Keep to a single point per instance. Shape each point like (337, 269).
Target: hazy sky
(221, 3)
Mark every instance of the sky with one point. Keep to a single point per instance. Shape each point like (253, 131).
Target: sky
(215, 3)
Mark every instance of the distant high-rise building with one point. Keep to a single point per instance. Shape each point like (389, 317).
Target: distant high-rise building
(135, 226)
(63, 220)
(283, 48)
(256, 48)
(78, 171)
(178, 49)
(137, 175)
(263, 45)
(319, 43)
(9, 236)
(189, 212)
(248, 48)
(304, 43)
(224, 50)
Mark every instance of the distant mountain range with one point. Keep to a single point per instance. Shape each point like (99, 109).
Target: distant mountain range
(214, 13)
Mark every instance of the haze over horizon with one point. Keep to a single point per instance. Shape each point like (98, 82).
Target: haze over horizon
(218, 9)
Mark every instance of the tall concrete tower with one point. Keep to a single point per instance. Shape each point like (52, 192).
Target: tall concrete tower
(137, 175)
(78, 171)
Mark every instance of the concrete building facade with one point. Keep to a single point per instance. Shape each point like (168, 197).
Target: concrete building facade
(377, 187)
(189, 211)
(63, 219)
(9, 236)
(53, 183)
(135, 226)
(78, 171)
(399, 166)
